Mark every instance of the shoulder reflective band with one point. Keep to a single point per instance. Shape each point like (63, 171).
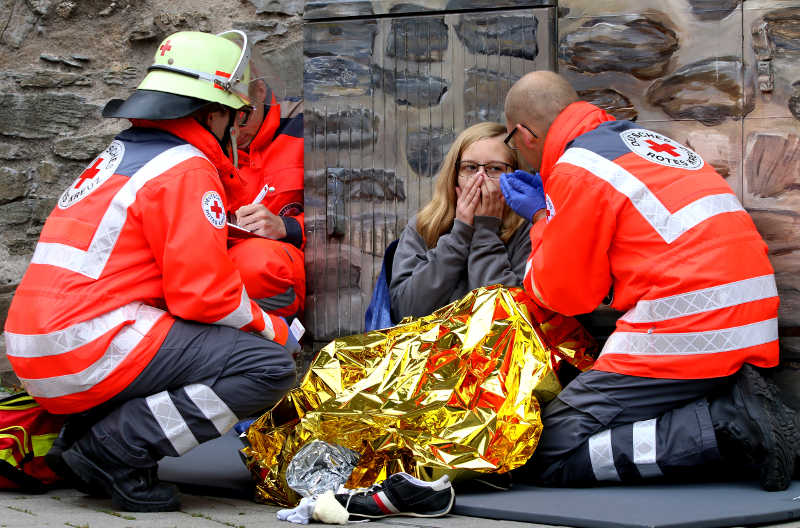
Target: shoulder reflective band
(669, 226)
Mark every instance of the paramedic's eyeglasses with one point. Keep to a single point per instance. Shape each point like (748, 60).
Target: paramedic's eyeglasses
(493, 169)
(508, 142)
(243, 115)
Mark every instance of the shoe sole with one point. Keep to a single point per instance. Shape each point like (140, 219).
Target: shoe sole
(440, 513)
(781, 437)
(88, 472)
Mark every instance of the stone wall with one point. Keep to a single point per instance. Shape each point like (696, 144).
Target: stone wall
(61, 60)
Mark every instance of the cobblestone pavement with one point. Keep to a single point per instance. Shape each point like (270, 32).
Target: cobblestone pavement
(71, 508)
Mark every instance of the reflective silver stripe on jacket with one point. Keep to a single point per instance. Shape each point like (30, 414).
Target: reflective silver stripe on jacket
(83, 333)
(92, 261)
(171, 422)
(668, 225)
(269, 329)
(705, 300)
(211, 405)
(240, 316)
(644, 448)
(602, 456)
(77, 335)
(680, 344)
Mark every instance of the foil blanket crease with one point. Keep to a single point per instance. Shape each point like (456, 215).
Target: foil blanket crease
(456, 392)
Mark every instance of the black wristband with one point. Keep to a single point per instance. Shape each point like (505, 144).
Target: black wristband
(294, 233)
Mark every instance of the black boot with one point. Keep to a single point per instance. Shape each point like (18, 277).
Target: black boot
(755, 429)
(73, 429)
(132, 489)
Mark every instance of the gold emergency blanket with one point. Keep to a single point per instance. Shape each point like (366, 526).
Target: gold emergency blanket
(456, 392)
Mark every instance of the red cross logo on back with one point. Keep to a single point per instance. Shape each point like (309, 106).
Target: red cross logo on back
(662, 147)
(165, 48)
(89, 173)
(101, 169)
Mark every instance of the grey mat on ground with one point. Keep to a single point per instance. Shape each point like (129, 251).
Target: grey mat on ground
(213, 468)
(707, 505)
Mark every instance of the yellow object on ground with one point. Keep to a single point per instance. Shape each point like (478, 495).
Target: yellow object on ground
(455, 392)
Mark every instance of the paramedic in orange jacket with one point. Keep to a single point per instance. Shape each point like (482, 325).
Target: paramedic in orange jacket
(631, 214)
(131, 307)
(267, 199)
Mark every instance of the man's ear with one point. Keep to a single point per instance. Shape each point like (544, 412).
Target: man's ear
(210, 116)
(261, 90)
(525, 135)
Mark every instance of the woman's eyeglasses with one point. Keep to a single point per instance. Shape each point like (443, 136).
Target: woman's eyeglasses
(508, 142)
(493, 169)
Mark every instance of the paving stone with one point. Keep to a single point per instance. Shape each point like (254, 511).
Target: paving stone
(72, 509)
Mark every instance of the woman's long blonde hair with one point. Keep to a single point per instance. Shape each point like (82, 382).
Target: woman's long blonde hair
(436, 218)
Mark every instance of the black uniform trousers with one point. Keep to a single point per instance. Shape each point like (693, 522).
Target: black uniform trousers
(607, 427)
(202, 381)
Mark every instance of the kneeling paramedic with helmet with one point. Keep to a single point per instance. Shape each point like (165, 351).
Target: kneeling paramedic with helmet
(131, 314)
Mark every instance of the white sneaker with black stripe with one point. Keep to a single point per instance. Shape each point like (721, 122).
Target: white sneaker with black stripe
(399, 494)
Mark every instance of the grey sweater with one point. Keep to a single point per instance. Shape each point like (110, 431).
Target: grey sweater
(466, 258)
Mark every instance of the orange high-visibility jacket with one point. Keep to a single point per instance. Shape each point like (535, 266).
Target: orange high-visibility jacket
(271, 173)
(138, 239)
(271, 169)
(635, 211)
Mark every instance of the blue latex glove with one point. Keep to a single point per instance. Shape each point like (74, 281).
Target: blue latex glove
(524, 193)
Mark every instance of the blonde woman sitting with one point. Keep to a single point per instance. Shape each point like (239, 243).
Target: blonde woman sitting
(466, 236)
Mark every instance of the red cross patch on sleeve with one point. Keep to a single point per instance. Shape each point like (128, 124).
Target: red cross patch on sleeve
(551, 209)
(214, 209)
